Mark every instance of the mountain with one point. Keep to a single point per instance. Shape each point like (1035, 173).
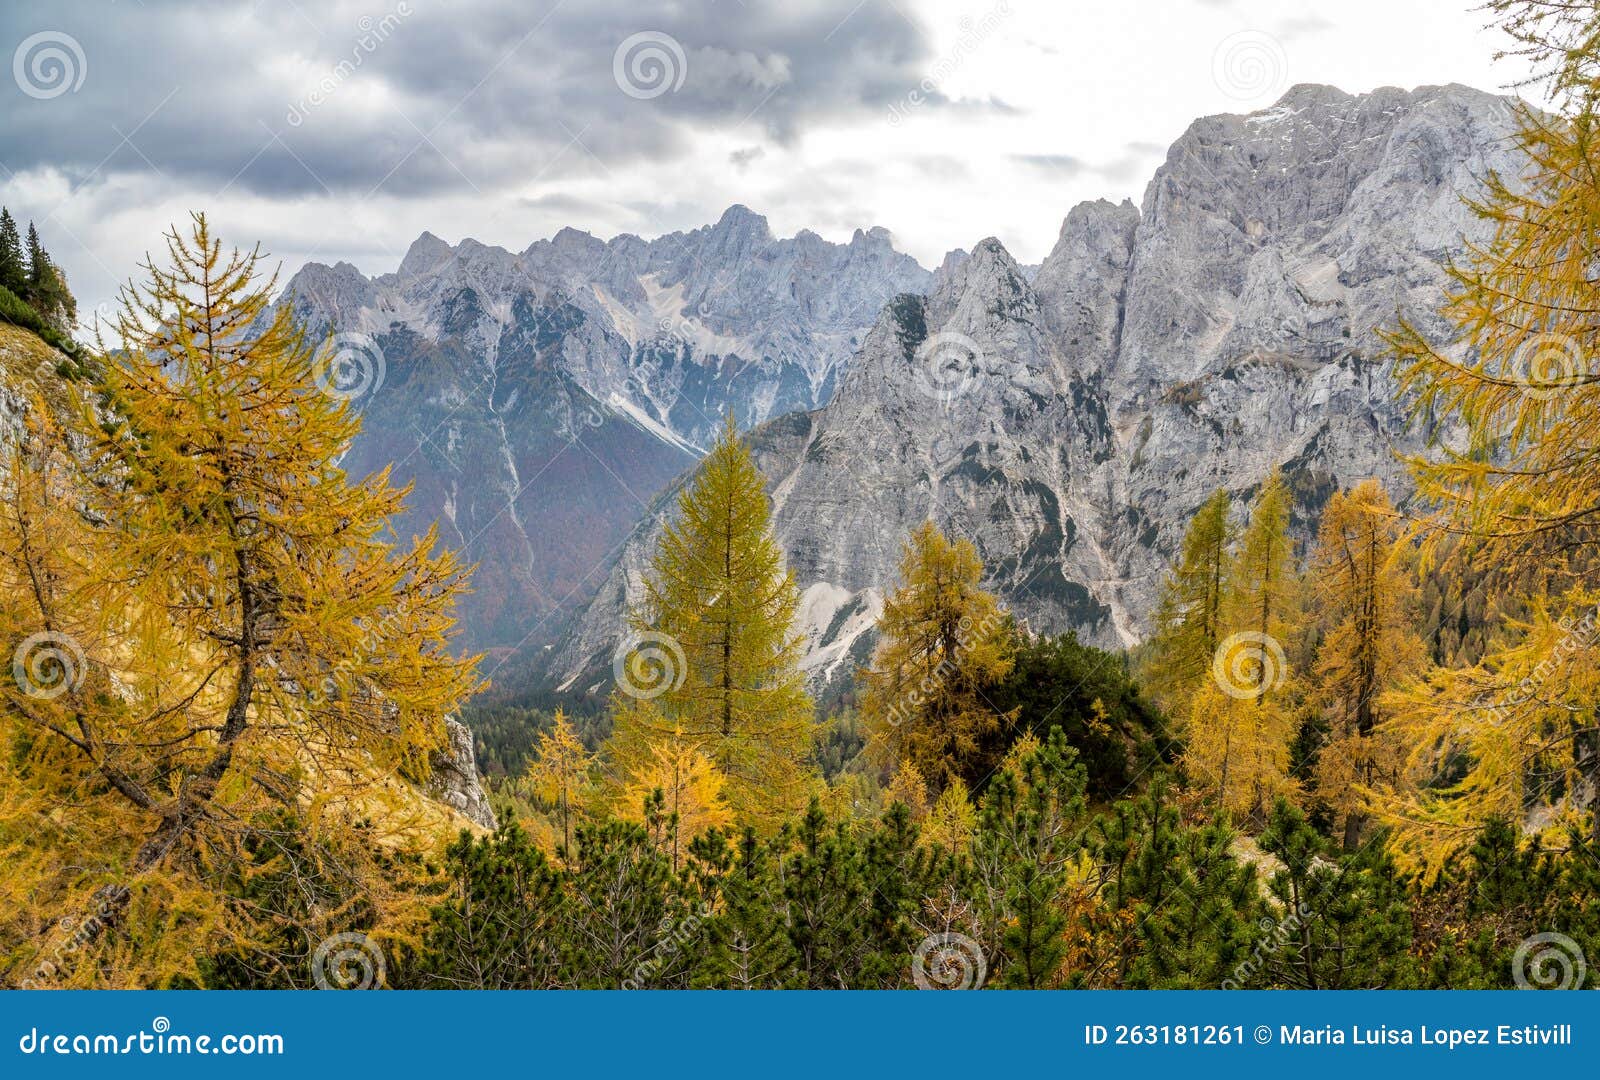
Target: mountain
(538, 401)
(1070, 420)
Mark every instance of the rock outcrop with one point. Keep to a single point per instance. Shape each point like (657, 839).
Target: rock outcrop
(455, 778)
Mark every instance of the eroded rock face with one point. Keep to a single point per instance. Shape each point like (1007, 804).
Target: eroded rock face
(455, 778)
(1225, 328)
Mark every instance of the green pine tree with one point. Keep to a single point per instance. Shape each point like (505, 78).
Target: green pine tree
(13, 267)
(501, 926)
(825, 898)
(1031, 832)
(1196, 938)
(45, 288)
(747, 944)
(1343, 922)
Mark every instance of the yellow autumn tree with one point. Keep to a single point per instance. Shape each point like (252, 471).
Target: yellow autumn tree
(686, 790)
(222, 654)
(1365, 596)
(1190, 617)
(559, 771)
(712, 649)
(1516, 734)
(1241, 719)
(943, 644)
(909, 788)
(953, 819)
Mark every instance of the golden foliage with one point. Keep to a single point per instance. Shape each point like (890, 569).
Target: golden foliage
(691, 795)
(1516, 734)
(1366, 598)
(943, 641)
(213, 629)
(719, 609)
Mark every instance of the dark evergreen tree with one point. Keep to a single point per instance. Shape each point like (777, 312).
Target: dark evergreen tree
(502, 926)
(1199, 935)
(826, 899)
(747, 944)
(628, 923)
(1060, 682)
(1343, 920)
(46, 287)
(1032, 828)
(13, 267)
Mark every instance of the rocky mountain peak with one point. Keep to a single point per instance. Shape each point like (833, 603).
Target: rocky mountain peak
(1080, 283)
(499, 363)
(740, 228)
(426, 255)
(876, 238)
(986, 284)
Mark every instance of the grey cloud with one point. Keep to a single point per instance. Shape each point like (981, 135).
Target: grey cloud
(1061, 164)
(575, 206)
(1136, 162)
(417, 97)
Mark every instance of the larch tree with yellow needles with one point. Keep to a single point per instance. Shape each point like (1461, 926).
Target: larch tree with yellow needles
(1241, 718)
(1190, 616)
(1517, 735)
(686, 788)
(559, 771)
(247, 642)
(1365, 597)
(716, 661)
(944, 643)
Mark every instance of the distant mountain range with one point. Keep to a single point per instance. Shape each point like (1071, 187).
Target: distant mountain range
(1067, 418)
(538, 401)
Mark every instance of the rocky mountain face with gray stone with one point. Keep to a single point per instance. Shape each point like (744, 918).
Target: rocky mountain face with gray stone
(1069, 425)
(537, 401)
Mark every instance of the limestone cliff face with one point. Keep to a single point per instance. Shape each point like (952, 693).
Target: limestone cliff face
(1070, 424)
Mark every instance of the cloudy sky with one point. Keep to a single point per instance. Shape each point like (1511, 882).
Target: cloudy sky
(340, 129)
